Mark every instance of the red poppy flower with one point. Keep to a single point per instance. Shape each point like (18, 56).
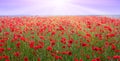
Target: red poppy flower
(0, 30)
(1, 45)
(1, 50)
(26, 59)
(81, 60)
(38, 59)
(22, 38)
(61, 28)
(95, 48)
(6, 57)
(116, 57)
(56, 57)
(88, 35)
(84, 44)
(108, 28)
(6, 33)
(18, 44)
(63, 40)
(52, 42)
(70, 41)
(76, 59)
(37, 47)
(53, 33)
(31, 44)
(1, 57)
(109, 58)
(113, 47)
(88, 56)
(96, 59)
(49, 48)
(99, 36)
(9, 49)
(7, 60)
(17, 54)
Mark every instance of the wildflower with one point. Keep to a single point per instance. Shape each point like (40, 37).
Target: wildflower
(38, 59)
(1, 57)
(1, 50)
(22, 38)
(37, 47)
(26, 59)
(18, 44)
(107, 44)
(0, 30)
(84, 44)
(6, 33)
(7, 60)
(95, 48)
(88, 35)
(75, 59)
(41, 44)
(116, 57)
(49, 48)
(61, 28)
(113, 47)
(58, 57)
(1, 45)
(17, 54)
(8, 49)
(99, 36)
(63, 46)
(117, 51)
(109, 58)
(52, 42)
(81, 60)
(88, 56)
(96, 59)
(6, 57)
(31, 44)
(70, 41)
(53, 33)
(110, 35)
(42, 37)
(63, 40)
(69, 53)
(108, 28)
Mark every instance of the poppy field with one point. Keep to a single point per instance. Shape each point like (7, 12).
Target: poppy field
(59, 38)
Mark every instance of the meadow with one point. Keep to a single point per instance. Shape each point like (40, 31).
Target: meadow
(59, 38)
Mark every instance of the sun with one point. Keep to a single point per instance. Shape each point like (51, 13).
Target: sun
(55, 3)
(60, 3)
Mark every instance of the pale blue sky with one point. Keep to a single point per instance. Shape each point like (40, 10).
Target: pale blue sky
(59, 7)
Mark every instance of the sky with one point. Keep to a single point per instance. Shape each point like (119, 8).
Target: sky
(59, 7)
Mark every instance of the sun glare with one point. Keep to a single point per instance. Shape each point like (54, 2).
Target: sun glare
(60, 3)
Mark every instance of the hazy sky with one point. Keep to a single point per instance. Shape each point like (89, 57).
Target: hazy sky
(59, 7)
